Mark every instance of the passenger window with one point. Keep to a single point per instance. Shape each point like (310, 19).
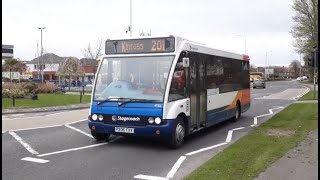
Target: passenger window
(178, 83)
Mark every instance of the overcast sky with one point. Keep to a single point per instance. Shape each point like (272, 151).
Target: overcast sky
(72, 24)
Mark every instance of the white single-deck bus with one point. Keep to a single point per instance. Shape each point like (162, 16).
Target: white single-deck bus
(167, 88)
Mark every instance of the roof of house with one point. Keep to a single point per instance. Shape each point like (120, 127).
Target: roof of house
(47, 58)
(88, 62)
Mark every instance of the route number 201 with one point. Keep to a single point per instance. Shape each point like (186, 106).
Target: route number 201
(158, 45)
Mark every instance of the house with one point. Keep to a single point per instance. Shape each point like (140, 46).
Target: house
(49, 64)
(89, 67)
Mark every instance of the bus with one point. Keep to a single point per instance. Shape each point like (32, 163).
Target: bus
(256, 75)
(166, 88)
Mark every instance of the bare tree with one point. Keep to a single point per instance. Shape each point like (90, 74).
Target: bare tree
(93, 52)
(295, 65)
(71, 67)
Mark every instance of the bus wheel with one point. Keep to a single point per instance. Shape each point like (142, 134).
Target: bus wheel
(238, 113)
(177, 137)
(100, 136)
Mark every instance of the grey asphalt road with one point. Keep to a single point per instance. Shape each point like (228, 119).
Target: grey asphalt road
(69, 152)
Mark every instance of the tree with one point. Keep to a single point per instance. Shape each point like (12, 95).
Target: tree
(71, 67)
(305, 30)
(13, 65)
(93, 53)
(295, 65)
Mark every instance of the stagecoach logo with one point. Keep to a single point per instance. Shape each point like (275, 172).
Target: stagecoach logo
(124, 119)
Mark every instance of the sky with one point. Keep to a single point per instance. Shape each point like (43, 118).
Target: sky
(262, 26)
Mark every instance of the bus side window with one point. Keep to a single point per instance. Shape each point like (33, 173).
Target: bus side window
(178, 83)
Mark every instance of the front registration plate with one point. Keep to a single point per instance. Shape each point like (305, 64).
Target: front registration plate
(124, 130)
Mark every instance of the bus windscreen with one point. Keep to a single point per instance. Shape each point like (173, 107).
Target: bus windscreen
(135, 46)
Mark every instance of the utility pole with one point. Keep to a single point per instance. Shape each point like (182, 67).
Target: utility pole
(266, 68)
(41, 65)
(38, 60)
(130, 18)
(300, 66)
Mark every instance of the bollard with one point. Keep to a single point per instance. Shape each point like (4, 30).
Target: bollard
(13, 101)
(80, 97)
(83, 89)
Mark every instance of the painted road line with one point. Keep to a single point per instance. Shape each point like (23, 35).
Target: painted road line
(24, 144)
(255, 119)
(205, 149)
(18, 115)
(78, 130)
(35, 128)
(176, 167)
(229, 136)
(73, 149)
(141, 176)
(115, 139)
(37, 160)
(76, 121)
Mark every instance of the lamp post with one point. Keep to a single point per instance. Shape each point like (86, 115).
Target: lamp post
(245, 42)
(41, 51)
(130, 18)
(267, 74)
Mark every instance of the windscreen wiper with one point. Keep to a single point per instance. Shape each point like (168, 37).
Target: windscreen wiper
(109, 99)
(137, 100)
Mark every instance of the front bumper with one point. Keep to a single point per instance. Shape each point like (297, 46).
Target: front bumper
(166, 129)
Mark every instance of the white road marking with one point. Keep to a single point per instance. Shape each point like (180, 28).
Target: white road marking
(78, 130)
(302, 94)
(35, 128)
(115, 139)
(255, 119)
(205, 149)
(141, 176)
(37, 160)
(73, 149)
(229, 136)
(17, 115)
(76, 121)
(24, 144)
(176, 167)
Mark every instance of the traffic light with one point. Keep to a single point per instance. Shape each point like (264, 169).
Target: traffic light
(311, 60)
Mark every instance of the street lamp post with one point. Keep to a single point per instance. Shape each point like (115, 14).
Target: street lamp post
(41, 51)
(130, 18)
(266, 70)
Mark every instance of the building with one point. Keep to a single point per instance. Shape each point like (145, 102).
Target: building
(49, 63)
(89, 67)
(7, 52)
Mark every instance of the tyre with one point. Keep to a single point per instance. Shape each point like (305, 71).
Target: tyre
(178, 135)
(238, 113)
(100, 136)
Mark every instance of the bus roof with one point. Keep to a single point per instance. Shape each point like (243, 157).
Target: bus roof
(181, 44)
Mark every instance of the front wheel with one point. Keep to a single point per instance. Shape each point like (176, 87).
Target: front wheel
(178, 135)
(100, 136)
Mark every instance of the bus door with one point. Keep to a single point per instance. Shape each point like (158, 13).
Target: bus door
(197, 92)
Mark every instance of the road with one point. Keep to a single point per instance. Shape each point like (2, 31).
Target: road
(66, 150)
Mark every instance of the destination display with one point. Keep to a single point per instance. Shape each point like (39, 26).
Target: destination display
(134, 46)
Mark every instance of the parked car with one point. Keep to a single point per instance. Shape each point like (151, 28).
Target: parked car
(299, 79)
(304, 77)
(259, 82)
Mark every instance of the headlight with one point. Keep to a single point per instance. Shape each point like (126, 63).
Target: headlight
(150, 120)
(100, 117)
(94, 117)
(157, 120)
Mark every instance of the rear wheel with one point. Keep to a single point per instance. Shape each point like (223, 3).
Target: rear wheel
(100, 136)
(178, 135)
(238, 113)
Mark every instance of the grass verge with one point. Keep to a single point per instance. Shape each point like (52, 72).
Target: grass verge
(253, 153)
(45, 100)
(309, 96)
